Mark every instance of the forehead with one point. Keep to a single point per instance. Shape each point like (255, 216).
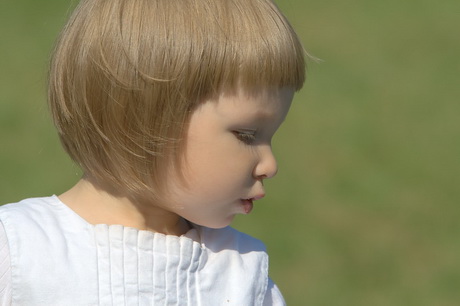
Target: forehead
(244, 109)
(263, 102)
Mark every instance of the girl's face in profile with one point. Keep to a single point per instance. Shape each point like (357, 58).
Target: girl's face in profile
(228, 154)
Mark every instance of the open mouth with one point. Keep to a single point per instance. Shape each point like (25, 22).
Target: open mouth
(248, 203)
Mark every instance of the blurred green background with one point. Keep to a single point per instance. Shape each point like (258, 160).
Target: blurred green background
(364, 210)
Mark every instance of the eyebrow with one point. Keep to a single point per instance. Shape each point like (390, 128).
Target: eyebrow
(265, 115)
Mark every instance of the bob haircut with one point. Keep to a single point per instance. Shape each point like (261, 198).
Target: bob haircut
(125, 76)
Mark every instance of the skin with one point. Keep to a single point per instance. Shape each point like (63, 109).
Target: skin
(228, 155)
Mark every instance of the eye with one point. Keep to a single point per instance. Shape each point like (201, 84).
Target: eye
(248, 137)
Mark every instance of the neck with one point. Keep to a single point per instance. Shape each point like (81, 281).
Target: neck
(98, 206)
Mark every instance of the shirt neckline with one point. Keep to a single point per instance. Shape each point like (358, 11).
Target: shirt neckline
(193, 233)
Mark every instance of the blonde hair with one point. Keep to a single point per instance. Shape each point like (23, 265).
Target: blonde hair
(126, 74)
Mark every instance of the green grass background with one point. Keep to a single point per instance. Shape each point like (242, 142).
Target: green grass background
(365, 208)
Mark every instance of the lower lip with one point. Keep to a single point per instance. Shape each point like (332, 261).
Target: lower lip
(247, 206)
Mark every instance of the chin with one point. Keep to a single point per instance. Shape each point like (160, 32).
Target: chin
(216, 225)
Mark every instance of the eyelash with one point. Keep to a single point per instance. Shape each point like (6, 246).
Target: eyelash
(246, 137)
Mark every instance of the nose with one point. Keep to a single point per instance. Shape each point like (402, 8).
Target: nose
(266, 166)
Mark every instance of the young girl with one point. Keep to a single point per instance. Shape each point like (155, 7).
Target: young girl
(169, 108)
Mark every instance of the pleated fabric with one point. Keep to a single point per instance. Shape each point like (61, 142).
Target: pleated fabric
(51, 256)
(132, 264)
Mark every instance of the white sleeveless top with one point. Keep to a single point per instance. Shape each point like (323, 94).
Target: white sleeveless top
(57, 258)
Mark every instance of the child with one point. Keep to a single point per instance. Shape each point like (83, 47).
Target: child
(169, 108)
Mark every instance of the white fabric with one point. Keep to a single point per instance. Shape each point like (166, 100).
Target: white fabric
(5, 270)
(51, 256)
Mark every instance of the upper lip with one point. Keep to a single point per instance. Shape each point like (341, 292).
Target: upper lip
(257, 197)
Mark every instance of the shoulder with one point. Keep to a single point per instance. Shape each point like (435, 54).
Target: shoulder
(30, 216)
(229, 238)
(28, 207)
(235, 266)
(28, 204)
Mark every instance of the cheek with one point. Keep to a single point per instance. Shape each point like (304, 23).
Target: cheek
(214, 166)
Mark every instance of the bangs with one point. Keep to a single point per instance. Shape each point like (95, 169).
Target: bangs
(200, 47)
(260, 47)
